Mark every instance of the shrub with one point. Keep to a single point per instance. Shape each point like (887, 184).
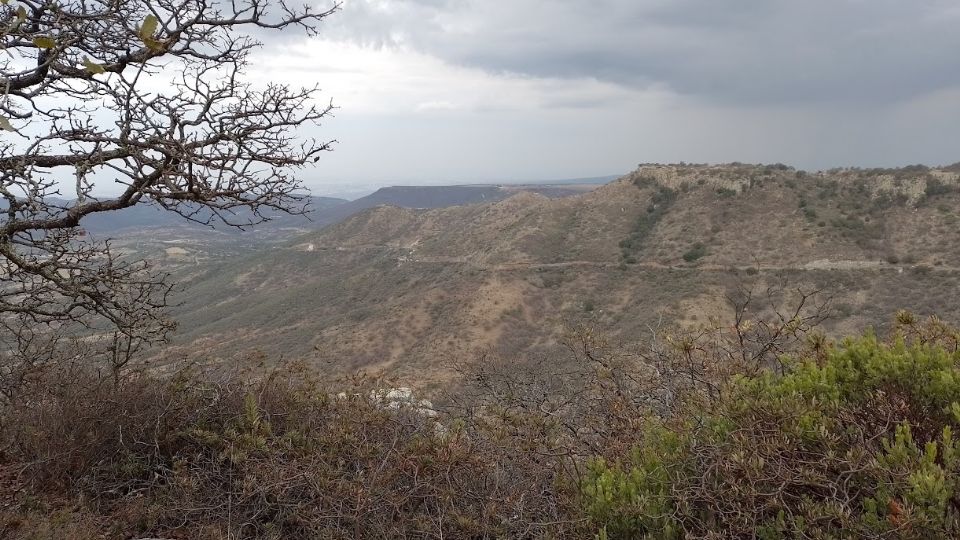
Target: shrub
(857, 440)
(272, 457)
(660, 202)
(688, 436)
(936, 188)
(645, 180)
(695, 252)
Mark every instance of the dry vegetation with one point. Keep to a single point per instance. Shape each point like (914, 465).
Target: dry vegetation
(729, 430)
(652, 359)
(410, 291)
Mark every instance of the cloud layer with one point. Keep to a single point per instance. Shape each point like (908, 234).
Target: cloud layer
(473, 89)
(737, 51)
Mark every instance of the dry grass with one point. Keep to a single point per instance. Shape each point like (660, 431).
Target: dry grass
(205, 455)
(412, 289)
(220, 454)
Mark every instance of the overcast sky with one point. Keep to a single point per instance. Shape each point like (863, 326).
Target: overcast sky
(462, 90)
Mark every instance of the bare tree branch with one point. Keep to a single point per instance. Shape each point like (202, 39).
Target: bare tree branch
(150, 96)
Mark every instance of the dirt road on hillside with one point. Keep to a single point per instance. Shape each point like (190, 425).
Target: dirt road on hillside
(819, 264)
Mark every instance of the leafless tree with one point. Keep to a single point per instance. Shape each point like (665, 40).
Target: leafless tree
(149, 97)
(769, 318)
(593, 400)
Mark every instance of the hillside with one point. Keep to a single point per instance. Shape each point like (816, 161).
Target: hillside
(176, 243)
(320, 211)
(416, 292)
(421, 197)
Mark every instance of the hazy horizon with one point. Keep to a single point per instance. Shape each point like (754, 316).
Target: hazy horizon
(357, 189)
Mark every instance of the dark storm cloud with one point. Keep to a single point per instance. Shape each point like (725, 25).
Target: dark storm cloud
(729, 51)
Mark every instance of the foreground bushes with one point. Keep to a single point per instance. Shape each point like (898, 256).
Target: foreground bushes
(843, 440)
(198, 457)
(860, 443)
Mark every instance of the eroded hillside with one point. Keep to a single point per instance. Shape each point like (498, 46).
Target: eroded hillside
(417, 292)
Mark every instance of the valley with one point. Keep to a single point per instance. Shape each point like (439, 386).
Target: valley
(420, 293)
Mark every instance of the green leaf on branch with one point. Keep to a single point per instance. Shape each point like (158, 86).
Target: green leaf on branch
(154, 44)
(147, 31)
(92, 67)
(44, 42)
(148, 28)
(5, 124)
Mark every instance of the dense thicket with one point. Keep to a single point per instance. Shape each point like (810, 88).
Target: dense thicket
(840, 439)
(857, 442)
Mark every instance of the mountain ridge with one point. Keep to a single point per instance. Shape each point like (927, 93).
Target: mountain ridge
(414, 291)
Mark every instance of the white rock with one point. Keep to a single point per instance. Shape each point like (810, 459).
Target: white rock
(400, 394)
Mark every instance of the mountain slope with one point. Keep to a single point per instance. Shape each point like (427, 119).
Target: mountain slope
(421, 197)
(416, 292)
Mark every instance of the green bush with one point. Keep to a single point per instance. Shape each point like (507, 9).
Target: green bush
(645, 487)
(936, 188)
(856, 441)
(695, 252)
(660, 202)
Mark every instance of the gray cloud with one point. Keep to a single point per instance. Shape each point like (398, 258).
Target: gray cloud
(734, 51)
(572, 88)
